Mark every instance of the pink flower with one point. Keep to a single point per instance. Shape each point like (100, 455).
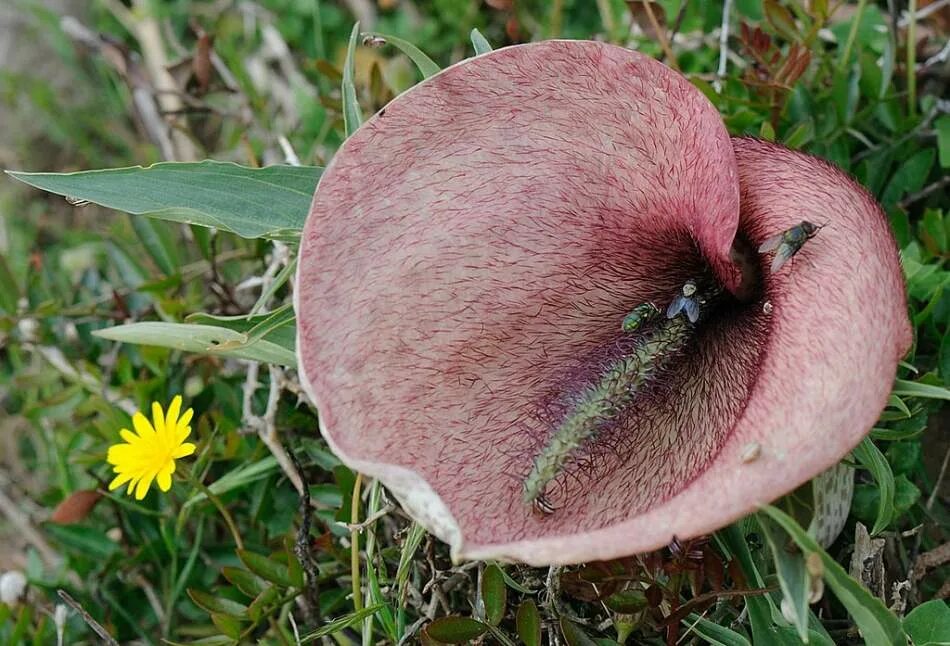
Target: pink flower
(472, 251)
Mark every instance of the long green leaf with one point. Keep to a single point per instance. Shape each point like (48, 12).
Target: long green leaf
(878, 625)
(874, 461)
(237, 478)
(714, 633)
(425, 64)
(339, 624)
(201, 339)
(352, 116)
(251, 202)
(904, 388)
(792, 574)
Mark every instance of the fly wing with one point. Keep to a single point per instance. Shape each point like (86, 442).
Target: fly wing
(772, 242)
(782, 256)
(675, 307)
(692, 310)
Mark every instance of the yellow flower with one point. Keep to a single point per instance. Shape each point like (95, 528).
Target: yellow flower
(150, 453)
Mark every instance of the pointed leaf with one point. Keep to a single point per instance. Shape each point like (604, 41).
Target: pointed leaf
(494, 594)
(528, 621)
(248, 583)
(479, 42)
(212, 604)
(251, 202)
(455, 630)
(339, 624)
(878, 625)
(352, 115)
(202, 339)
(265, 568)
(425, 64)
(874, 461)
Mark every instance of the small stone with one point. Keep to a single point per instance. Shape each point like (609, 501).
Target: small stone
(12, 587)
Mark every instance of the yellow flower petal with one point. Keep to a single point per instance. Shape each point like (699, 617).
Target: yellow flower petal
(119, 480)
(184, 450)
(171, 415)
(183, 432)
(119, 453)
(185, 418)
(128, 436)
(164, 478)
(158, 419)
(142, 487)
(142, 426)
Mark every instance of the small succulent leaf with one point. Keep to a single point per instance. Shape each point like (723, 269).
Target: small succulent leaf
(528, 623)
(574, 635)
(266, 568)
(256, 611)
(211, 604)
(494, 594)
(248, 583)
(227, 624)
(455, 630)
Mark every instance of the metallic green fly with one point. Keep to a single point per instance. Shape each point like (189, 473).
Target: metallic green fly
(639, 315)
(789, 242)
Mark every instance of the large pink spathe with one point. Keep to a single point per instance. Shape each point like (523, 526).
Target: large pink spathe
(473, 248)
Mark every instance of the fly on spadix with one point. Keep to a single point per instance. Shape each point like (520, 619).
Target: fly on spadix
(686, 301)
(639, 315)
(788, 243)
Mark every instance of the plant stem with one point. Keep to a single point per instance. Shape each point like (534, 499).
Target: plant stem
(228, 520)
(852, 35)
(355, 544)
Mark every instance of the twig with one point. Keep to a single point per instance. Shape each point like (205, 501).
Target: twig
(680, 14)
(86, 617)
(303, 553)
(723, 44)
(932, 8)
(359, 527)
(924, 192)
(660, 32)
(266, 426)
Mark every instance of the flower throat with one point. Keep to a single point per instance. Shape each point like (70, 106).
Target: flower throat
(656, 338)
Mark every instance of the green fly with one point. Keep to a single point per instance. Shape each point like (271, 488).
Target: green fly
(639, 315)
(789, 242)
